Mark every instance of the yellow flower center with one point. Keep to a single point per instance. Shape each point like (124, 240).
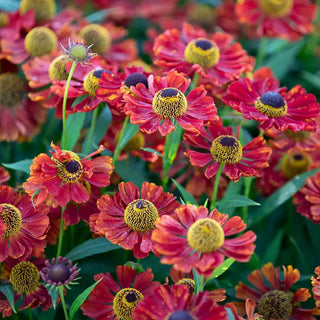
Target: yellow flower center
(202, 14)
(169, 103)
(12, 89)
(11, 217)
(25, 277)
(69, 171)
(141, 215)
(4, 19)
(181, 315)
(276, 8)
(299, 135)
(91, 81)
(134, 144)
(125, 301)
(272, 104)
(203, 52)
(205, 235)
(57, 69)
(295, 163)
(43, 9)
(189, 283)
(276, 305)
(98, 36)
(226, 149)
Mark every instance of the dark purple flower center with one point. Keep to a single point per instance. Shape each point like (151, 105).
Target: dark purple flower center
(203, 44)
(228, 141)
(72, 166)
(131, 297)
(273, 99)
(135, 78)
(59, 273)
(98, 73)
(180, 315)
(169, 93)
(298, 156)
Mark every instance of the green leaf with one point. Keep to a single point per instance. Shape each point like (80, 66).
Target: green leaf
(23, 165)
(187, 197)
(221, 269)
(7, 290)
(314, 79)
(230, 314)
(153, 151)
(198, 280)
(80, 299)
(274, 247)
(54, 294)
(73, 126)
(90, 248)
(78, 100)
(236, 201)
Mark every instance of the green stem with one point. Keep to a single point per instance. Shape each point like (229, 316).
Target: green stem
(60, 234)
(30, 314)
(261, 52)
(247, 188)
(64, 106)
(93, 123)
(118, 147)
(215, 188)
(63, 303)
(194, 81)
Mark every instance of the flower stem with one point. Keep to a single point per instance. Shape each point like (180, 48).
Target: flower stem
(118, 148)
(194, 81)
(247, 188)
(261, 52)
(215, 188)
(30, 314)
(64, 105)
(60, 233)
(63, 303)
(93, 123)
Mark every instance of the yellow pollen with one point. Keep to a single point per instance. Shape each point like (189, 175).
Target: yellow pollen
(141, 215)
(4, 19)
(40, 41)
(205, 235)
(57, 69)
(12, 89)
(25, 277)
(294, 163)
(11, 216)
(203, 52)
(125, 302)
(43, 9)
(169, 103)
(91, 83)
(189, 283)
(226, 149)
(276, 8)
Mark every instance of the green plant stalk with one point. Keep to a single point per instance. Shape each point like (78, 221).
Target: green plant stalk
(194, 81)
(30, 314)
(60, 234)
(247, 188)
(93, 123)
(215, 188)
(118, 147)
(261, 52)
(63, 303)
(64, 106)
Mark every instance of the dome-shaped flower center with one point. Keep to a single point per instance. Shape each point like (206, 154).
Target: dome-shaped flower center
(12, 89)
(11, 217)
(272, 104)
(141, 215)
(57, 68)
(169, 103)
(181, 315)
(226, 149)
(69, 171)
(134, 78)
(59, 273)
(295, 163)
(205, 235)
(25, 277)
(91, 81)
(276, 305)
(96, 35)
(4, 19)
(299, 135)
(43, 9)
(78, 52)
(40, 41)
(189, 283)
(276, 8)
(135, 143)
(203, 52)
(125, 301)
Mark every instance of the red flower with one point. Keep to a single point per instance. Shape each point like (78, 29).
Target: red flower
(217, 145)
(176, 302)
(4, 175)
(113, 300)
(316, 286)
(154, 108)
(128, 218)
(213, 57)
(26, 226)
(65, 177)
(197, 239)
(264, 101)
(274, 296)
(288, 19)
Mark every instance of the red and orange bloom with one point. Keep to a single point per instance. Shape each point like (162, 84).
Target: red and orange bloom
(65, 177)
(25, 226)
(128, 218)
(274, 296)
(288, 19)
(265, 102)
(155, 107)
(214, 57)
(249, 310)
(176, 302)
(316, 286)
(198, 239)
(117, 300)
(220, 146)
(4, 175)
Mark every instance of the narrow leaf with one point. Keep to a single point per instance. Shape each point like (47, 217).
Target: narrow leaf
(198, 280)
(274, 247)
(221, 269)
(153, 151)
(78, 100)
(73, 126)
(314, 79)
(131, 130)
(187, 197)
(23, 165)
(236, 201)
(54, 294)
(90, 248)
(7, 290)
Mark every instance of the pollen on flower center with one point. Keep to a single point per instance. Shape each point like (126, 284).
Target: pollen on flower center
(169, 103)
(295, 163)
(134, 78)
(125, 301)
(272, 104)
(180, 315)
(11, 217)
(69, 171)
(189, 283)
(226, 149)
(140, 215)
(25, 277)
(203, 52)
(91, 81)
(276, 305)
(11, 89)
(205, 235)
(276, 8)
